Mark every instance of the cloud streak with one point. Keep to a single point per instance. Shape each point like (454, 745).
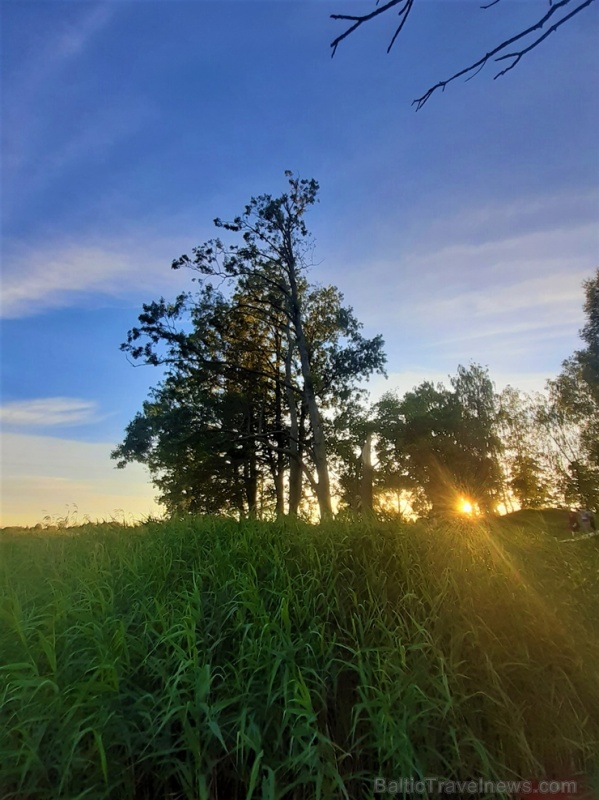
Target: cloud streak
(525, 286)
(53, 139)
(45, 63)
(501, 285)
(521, 307)
(48, 411)
(517, 255)
(58, 275)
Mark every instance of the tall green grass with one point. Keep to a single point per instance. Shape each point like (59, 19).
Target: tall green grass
(206, 658)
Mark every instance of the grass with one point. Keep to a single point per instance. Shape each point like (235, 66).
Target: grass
(203, 658)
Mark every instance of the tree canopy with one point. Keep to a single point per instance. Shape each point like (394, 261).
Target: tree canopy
(441, 444)
(262, 409)
(573, 413)
(260, 373)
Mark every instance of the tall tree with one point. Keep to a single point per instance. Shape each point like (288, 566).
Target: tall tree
(291, 351)
(526, 459)
(186, 437)
(211, 424)
(588, 358)
(349, 429)
(393, 478)
(274, 257)
(475, 396)
(572, 414)
(508, 51)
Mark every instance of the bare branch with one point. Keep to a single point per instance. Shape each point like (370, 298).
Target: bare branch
(497, 53)
(404, 12)
(478, 65)
(360, 20)
(518, 55)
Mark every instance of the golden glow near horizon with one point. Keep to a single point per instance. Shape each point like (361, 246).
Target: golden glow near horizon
(48, 476)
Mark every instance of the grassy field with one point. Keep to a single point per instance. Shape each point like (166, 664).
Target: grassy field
(206, 658)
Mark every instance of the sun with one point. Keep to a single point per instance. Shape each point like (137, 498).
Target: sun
(466, 507)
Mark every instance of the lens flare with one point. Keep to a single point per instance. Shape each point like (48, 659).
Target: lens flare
(466, 507)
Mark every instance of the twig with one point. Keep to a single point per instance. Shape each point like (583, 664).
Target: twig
(497, 53)
(478, 65)
(360, 20)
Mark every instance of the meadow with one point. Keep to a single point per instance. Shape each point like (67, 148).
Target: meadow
(203, 658)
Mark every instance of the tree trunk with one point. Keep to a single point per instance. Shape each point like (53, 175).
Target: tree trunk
(278, 459)
(250, 479)
(250, 467)
(295, 467)
(323, 487)
(279, 482)
(367, 476)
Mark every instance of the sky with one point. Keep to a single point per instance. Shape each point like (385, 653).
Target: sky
(461, 232)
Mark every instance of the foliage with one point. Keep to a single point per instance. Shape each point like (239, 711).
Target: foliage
(261, 403)
(206, 658)
(572, 414)
(526, 463)
(441, 442)
(589, 357)
(252, 376)
(205, 434)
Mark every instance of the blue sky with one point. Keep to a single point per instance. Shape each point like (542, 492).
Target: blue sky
(461, 232)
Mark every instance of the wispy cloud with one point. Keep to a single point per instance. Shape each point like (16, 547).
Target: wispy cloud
(96, 134)
(61, 45)
(520, 256)
(59, 274)
(506, 220)
(42, 66)
(48, 411)
(75, 36)
(525, 287)
(51, 136)
(501, 286)
(525, 305)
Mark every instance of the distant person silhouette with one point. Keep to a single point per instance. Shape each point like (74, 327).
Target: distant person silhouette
(581, 520)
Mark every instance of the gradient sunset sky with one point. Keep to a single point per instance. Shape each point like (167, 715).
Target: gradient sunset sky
(461, 232)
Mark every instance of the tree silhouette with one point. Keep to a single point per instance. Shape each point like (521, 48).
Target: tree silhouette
(257, 374)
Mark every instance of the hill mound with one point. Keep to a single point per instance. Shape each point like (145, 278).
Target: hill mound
(553, 520)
